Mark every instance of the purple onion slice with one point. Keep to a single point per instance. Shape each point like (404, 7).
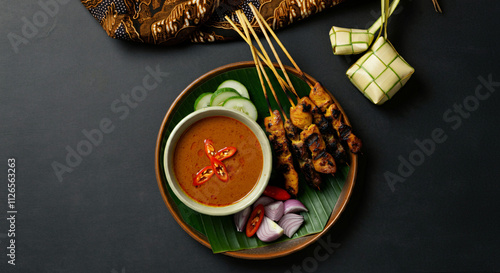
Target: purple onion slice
(290, 223)
(269, 231)
(293, 205)
(275, 210)
(264, 200)
(241, 218)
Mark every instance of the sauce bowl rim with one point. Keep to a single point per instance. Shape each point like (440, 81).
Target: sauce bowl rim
(249, 198)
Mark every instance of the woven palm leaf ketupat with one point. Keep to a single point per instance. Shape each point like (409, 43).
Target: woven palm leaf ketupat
(348, 41)
(381, 72)
(168, 22)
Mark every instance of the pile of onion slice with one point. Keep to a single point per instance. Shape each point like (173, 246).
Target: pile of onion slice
(280, 217)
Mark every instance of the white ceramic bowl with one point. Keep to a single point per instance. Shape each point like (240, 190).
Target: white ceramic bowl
(266, 164)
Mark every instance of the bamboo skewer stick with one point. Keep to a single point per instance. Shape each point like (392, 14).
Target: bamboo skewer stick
(274, 123)
(436, 6)
(259, 73)
(266, 58)
(245, 38)
(261, 19)
(260, 23)
(284, 85)
(260, 67)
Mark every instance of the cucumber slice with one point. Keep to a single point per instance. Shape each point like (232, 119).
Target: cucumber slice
(219, 96)
(243, 105)
(236, 85)
(202, 101)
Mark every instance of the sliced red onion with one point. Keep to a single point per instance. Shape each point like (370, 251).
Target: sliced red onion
(264, 200)
(274, 211)
(269, 230)
(294, 205)
(241, 218)
(290, 223)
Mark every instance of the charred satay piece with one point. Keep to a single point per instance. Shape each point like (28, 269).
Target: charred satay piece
(333, 145)
(300, 115)
(277, 137)
(323, 162)
(331, 111)
(320, 97)
(334, 114)
(302, 155)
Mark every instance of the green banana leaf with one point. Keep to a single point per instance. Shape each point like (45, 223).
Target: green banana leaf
(220, 230)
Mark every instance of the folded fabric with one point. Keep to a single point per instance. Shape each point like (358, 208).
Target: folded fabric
(169, 22)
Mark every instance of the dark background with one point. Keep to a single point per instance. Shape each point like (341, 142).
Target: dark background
(107, 215)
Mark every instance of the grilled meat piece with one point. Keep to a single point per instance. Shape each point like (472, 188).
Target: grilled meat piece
(320, 97)
(333, 145)
(277, 137)
(336, 117)
(301, 154)
(333, 114)
(323, 161)
(301, 115)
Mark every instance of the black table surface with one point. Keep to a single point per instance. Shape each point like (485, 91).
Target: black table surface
(426, 198)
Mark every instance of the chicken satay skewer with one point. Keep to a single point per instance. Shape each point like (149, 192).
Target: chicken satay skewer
(301, 115)
(305, 112)
(325, 165)
(299, 149)
(345, 132)
(274, 124)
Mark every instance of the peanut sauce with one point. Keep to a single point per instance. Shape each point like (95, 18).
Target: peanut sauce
(244, 168)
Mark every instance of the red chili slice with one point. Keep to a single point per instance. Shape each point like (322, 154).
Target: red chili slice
(203, 175)
(225, 153)
(254, 220)
(220, 169)
(209, 148)
(277, 193)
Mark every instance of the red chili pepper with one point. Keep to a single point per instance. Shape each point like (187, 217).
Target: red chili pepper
(216, 166)
(209, 148)
(277, 193)
(219, 168)
(203, 175)
(254, 220)
(225, 153)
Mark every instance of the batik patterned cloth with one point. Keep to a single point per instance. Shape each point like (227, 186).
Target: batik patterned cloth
(174, 21)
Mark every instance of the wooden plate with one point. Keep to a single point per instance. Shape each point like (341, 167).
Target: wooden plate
(275, 250)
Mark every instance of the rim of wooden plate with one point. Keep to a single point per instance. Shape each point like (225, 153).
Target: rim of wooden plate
(271, 251)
